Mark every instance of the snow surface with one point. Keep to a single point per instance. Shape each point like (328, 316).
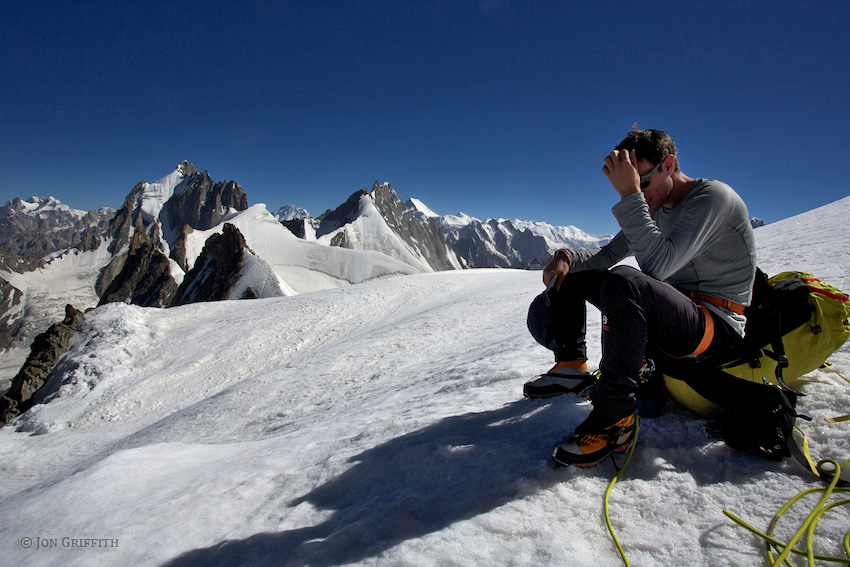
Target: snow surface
(556, 235)
(68, 277)
(154, 195)
(302, 266)
(381, 424)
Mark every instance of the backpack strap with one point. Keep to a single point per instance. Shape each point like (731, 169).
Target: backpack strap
(768, 320)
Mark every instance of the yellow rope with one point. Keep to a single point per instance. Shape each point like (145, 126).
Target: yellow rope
(611, 486)
(808, 525)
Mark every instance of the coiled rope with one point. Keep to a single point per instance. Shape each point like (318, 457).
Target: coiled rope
(826, 467)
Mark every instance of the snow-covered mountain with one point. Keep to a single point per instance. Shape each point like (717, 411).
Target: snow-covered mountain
(291, 212)
(383, 424)
(38, 227)
(505, 243)
(378, 220)
(154, 240)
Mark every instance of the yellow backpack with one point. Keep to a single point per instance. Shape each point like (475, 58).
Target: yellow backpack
(795, 323)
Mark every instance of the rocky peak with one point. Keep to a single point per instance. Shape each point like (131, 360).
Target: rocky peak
(38, 227)
(186, 169)
(422, 234)
(342, 215)
(201, 203)
(227, 269)
(142, 276)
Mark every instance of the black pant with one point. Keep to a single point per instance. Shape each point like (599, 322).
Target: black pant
(639, 313)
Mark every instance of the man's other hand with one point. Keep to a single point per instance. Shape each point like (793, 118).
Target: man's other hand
(556, 270)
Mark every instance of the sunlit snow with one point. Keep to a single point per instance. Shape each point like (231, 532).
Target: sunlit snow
(381, 424)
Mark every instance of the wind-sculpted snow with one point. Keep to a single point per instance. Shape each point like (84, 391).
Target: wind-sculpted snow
(302, 265)
(382, 424)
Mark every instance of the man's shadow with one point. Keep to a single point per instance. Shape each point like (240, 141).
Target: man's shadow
(413, 485)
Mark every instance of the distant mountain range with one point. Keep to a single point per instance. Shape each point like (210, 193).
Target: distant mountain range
(187, 238)
(470, 242)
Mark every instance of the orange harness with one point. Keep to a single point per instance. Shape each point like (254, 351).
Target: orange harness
(718, 302)
(708, 334)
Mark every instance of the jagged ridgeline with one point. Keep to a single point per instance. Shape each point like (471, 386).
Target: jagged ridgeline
(443, 242)
(147, 236)
(187, 238)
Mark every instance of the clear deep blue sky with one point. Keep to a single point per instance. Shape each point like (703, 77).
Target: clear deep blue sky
(497, 108)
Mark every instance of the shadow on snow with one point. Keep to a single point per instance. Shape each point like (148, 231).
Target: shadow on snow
(412, 486)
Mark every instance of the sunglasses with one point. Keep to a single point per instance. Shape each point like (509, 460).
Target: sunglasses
(646, 178)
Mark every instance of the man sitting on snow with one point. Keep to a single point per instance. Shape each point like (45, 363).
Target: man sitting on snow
(693, 241)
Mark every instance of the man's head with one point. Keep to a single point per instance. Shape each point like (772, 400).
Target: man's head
(651, 145)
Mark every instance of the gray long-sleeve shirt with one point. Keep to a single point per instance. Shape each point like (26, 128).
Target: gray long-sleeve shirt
(705, 244)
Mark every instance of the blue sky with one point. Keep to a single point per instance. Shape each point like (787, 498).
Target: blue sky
(497, 108)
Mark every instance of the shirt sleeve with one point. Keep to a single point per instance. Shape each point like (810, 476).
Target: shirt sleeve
(600, 258)
(699, 220)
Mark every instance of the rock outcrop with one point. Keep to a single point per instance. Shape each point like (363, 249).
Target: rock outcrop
(227, 269)
(144, 277)
(13, 317)
(45, 352)
(202, 204)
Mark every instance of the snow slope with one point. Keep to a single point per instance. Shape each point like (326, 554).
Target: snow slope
(381, 424)
(303, 266)
(371, 231)
(68, 277)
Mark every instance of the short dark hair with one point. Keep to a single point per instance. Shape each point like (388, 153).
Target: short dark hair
(651, 145)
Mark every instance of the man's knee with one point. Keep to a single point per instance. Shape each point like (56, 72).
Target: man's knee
(620, 283)
(627, 272)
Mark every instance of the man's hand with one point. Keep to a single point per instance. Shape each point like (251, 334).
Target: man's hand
(621, 170)
(557, 269)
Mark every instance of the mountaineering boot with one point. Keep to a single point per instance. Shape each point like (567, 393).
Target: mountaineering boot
(565, 377)
(596, 438)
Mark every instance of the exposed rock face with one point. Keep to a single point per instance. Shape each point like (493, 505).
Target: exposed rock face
(496, 244)
(144, 277)
(420, 234)
(125, 221)
(38, 227)
(178, 249)
(13, 316)
(20, 264)
(298, 227)
(202, 204)
(44, 354)
(227, 269)
(342, 215)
